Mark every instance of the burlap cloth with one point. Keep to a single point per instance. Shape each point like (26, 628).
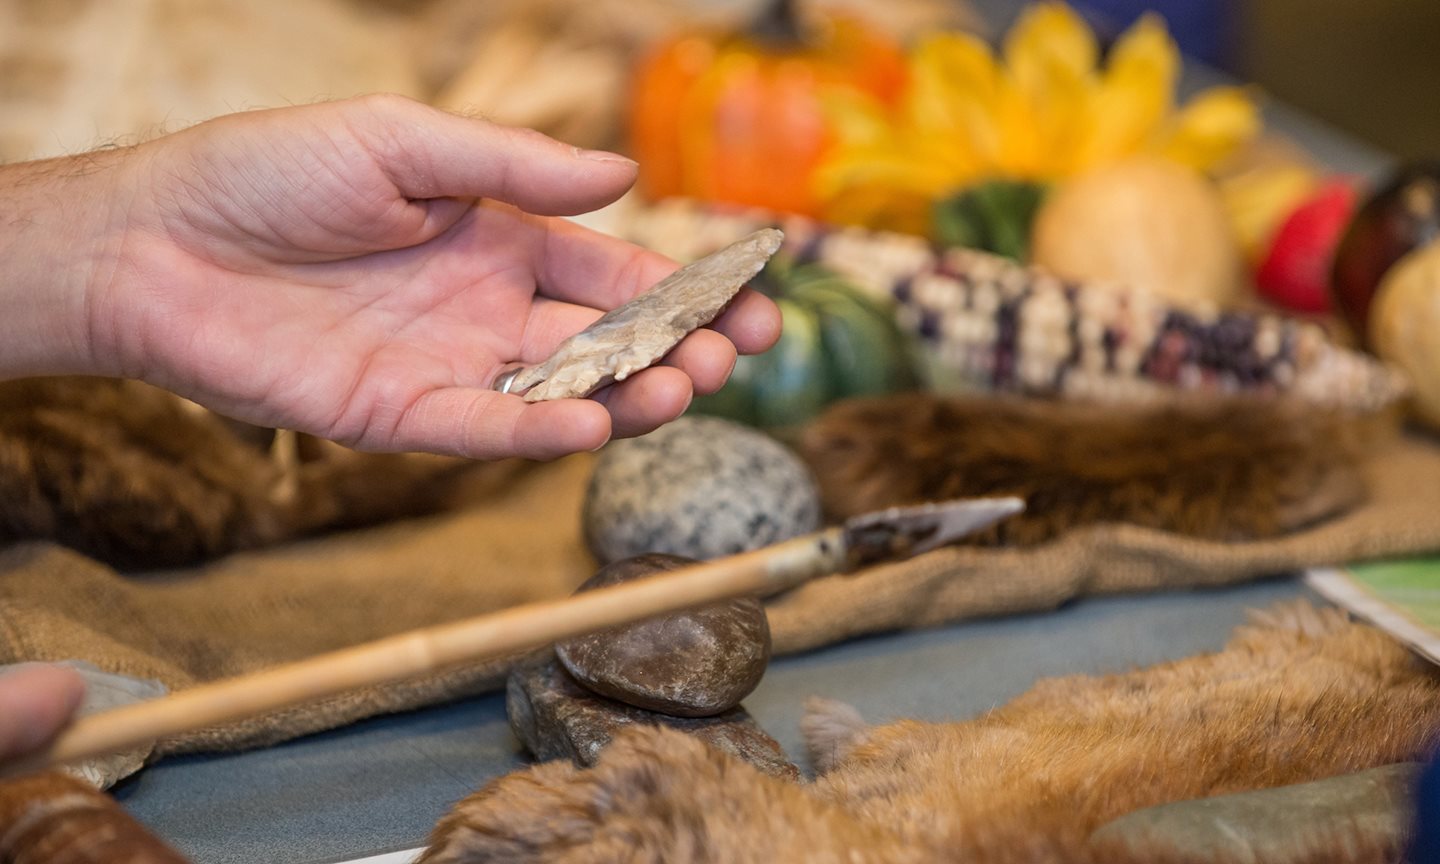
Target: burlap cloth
(523, 543)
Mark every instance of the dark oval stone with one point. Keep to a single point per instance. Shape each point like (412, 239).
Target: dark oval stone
(696, 663)
(556, 718)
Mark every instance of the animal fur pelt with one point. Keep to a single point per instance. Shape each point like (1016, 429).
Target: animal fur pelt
(138, 477)
(1300, 695)
(1229, 470)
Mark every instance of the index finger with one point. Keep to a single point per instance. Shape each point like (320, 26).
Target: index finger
(428, 153)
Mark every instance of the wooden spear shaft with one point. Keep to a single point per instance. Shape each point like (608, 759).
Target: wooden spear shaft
(761, 572)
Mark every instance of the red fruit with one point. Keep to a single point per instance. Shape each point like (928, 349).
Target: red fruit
(1295, 273)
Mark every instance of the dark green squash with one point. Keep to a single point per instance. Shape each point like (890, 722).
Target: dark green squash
(836, 342)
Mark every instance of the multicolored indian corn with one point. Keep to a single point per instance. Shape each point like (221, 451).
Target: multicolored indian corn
(988, 323)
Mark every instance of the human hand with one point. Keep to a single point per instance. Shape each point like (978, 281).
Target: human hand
(36, 702)
(363, 270)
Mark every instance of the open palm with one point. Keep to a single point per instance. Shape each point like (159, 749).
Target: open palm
(363, 270)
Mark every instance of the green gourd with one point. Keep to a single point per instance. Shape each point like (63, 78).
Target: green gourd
(994, 217)
(835, 342)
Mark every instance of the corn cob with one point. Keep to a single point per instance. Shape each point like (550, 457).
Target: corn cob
(986, 323)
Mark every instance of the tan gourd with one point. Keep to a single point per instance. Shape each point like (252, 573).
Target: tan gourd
(1405, 326)
(1143, 223)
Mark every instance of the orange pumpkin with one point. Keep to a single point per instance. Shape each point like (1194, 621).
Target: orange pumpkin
(738, 117)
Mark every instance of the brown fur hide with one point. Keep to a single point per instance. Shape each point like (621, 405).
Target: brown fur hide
(138, 477)
(1230, 470)
(1302, 695)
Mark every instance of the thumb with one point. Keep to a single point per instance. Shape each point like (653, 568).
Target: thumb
(429, 153)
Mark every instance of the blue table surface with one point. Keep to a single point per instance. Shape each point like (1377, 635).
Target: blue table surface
(380, 785)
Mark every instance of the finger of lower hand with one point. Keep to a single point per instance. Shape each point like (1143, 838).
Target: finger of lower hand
(36, 702)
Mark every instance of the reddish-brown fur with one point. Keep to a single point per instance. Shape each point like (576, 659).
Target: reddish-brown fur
(56, 819)
(1302, 695)
(1228, 470)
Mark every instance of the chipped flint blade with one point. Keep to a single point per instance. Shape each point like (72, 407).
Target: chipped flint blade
(634, 336)
(901, 532)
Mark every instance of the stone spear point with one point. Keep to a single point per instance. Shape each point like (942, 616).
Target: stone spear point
(636, 335)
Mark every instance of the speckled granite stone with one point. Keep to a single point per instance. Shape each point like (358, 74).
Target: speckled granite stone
(556, 718)
(694, 663)
(701, 487)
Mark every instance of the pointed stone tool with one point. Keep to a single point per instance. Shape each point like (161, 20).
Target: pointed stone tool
(636, 335)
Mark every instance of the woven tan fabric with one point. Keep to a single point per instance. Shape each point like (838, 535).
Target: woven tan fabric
(258, 609)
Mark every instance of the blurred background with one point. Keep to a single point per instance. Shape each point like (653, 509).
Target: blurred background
(75, 74)
(1368, 68)
(1150, 144)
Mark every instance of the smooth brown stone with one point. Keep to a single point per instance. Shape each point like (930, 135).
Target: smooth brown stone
(696, 663)
(556, 718)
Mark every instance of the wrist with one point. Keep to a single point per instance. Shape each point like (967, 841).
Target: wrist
(58, 232)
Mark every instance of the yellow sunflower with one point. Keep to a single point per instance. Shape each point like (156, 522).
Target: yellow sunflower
(1045, 110)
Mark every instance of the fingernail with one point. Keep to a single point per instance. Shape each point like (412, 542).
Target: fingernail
(604, 156)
